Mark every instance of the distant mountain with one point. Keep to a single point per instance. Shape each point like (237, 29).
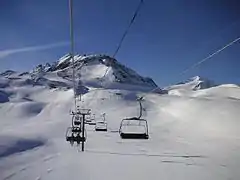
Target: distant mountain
(98, 71)
(94, 70)
(7, 73)
(194, 83)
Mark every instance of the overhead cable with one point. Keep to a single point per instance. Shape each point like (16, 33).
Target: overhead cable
(202, 61)
(210, 56)
(127, 30)
(125, 34)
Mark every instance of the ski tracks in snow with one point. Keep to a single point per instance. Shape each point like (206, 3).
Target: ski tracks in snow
(25, 170)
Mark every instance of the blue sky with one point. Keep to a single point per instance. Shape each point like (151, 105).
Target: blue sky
(166, 38)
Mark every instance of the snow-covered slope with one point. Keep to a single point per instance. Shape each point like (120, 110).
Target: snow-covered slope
(190, 137)
(194, 135)
(230, 91)
(192, 84)
(207, 89)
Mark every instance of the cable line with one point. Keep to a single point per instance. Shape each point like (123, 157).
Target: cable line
(125, 34)
(210, 56)
(202, 61)
(128, 28)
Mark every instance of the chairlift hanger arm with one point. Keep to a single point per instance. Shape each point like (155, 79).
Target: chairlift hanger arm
(140, 104)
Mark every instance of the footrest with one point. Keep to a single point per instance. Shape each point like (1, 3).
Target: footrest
(76, 130)
(76, 123)
(98, 129)
(77, 139)
(133, 136)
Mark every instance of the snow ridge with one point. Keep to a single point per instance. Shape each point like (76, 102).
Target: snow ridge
(194, 83)
(97, 70)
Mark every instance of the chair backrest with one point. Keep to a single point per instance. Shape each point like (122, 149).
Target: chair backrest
(134, 125)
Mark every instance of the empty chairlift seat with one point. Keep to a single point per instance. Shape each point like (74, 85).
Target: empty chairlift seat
(73, 135)
(90, 120)
(101, 123)
(134, 128)
(101, 126)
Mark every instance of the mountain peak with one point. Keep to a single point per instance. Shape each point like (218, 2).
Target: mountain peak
(193, 83)
(195, 78)
(97, 70)
(7, 73)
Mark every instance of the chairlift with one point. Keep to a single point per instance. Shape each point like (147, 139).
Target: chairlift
(73, 133)
(90, 120)
(93, 117)
(77, 120)
(134, 127)
(91, 123)
(101, 125)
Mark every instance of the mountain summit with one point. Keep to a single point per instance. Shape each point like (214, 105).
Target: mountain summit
(194, 83)
(95, 71)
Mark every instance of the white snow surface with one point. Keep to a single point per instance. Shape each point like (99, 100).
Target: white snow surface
(194, 130)
(194, 136)
(194, 83)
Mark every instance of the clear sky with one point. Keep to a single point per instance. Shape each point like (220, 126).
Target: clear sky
(166, 38)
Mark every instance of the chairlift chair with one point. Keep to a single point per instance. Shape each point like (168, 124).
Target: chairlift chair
(101, 126)
(134, 128)
(77, 120)
(73, 133)
(90, 120)
(93, 117)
